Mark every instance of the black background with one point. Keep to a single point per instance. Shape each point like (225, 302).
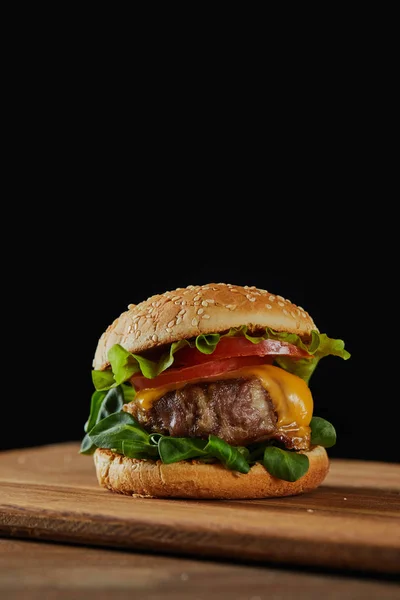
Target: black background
(116, 196)
(87, 271)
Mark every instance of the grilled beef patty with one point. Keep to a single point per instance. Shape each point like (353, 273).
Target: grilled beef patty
(239, 411)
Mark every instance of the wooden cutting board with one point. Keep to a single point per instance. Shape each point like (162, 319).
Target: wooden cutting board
(350, 522)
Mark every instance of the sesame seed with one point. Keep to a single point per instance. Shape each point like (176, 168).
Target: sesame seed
(196, 303)
(234, 290)
(281, 303)
(129, 328)
(131, 306)
(196, 298)
(158, 303)
(268, 306)
(154, 338)
(272, 298)
(204, 303)
(280, 297)
(182, 311)
(200, 311)
(178, 320)
(195, 322)
(230, 306)
(135, 326)
(303, 314)
(168, 329)
(135, 319)
(205, 316)
(177, 302)
(293, 314)
(301, 308)
(285, 312)
(171, 323)
(149, 310)
(138, 334)
(205, 287)
(210, 300)
(310, 510)
(190, 287)
(183, 302)
(298, 311)
(175, 298)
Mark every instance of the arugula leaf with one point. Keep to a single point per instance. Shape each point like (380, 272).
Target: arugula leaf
(289, 466)
(322, 432)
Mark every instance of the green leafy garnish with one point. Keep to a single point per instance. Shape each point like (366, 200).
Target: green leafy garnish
(305, 367)
(124, 364)
(176, 449)
(229, 455)
(282, 464)
(322, 433)
(122, 433)
(102, 405)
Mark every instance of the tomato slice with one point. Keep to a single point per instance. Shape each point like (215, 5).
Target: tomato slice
(199, 371)
(229, 347)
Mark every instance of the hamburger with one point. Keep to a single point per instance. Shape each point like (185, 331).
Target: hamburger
(203, 392)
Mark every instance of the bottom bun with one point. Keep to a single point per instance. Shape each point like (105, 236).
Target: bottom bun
(191, 479)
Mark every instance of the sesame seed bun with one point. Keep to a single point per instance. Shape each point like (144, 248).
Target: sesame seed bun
(191, 479)
(187, 312)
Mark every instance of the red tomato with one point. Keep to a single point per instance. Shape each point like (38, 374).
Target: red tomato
(228, 347)
(200, 371)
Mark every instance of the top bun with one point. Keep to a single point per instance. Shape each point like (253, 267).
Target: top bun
(185, 313)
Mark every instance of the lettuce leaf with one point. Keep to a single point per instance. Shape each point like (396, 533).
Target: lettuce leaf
(305, 367)
(289, 466)
(124, 364)
(121, 432)
(102, 405)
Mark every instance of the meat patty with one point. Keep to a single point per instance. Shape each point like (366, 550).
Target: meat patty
(239, 411)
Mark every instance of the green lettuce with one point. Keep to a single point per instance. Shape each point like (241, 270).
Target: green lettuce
(124, 364)
(282, 464)
(120, 431)
(103, 404)
(305, 367)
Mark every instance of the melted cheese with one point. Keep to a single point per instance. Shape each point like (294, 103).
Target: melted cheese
(290, 395)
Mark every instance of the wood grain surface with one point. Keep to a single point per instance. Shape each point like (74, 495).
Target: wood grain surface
(32, 570)
(351, 522)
